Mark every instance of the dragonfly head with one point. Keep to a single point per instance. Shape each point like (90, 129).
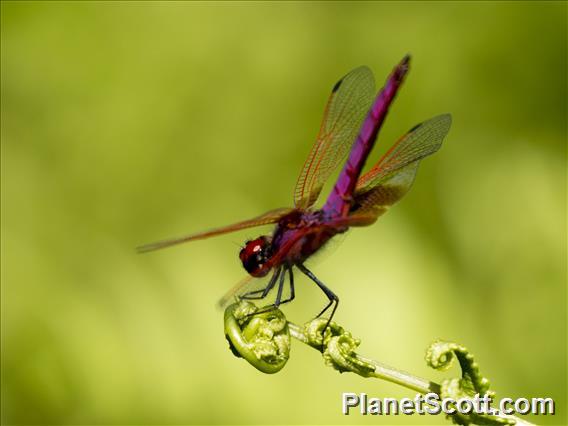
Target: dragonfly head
(255, 254)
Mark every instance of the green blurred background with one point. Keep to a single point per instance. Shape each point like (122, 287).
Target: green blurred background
(123, 123)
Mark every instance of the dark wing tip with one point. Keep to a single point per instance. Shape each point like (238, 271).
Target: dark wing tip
(445, 118)
(415, 127)
(359, 69)
(336, 87)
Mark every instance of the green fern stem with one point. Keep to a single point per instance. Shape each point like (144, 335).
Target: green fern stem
(262, 337)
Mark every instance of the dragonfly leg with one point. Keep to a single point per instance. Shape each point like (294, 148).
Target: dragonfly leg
(278, 301)
(254, 295)
(280, 288)
(292, 291)
(330, 294)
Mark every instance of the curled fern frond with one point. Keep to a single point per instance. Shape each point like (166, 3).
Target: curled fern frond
(317, 336)
(338, 347)
(440, 356)
(260, 337)
(263, 339)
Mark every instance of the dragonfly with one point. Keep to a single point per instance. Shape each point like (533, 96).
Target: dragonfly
(352, 119)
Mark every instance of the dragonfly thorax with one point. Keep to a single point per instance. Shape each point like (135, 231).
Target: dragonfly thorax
(255, 254)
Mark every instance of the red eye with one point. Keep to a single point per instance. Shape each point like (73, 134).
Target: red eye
(254, 256)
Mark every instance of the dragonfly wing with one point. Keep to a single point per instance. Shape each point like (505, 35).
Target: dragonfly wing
(269, 217)
(237, 289)
(391, 178)
(372, 202)
(344, 113)
(422, 140)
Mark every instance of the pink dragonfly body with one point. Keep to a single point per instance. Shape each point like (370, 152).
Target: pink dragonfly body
(352, 120)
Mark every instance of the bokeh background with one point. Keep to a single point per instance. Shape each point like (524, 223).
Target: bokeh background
(123, 123)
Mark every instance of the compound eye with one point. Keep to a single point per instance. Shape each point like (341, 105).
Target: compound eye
(254, 255)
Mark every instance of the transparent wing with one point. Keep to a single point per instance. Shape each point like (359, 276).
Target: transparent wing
(271, 216)
(391, 178)
(374, 201)
(344, 113)
(247, 285)
(422, 140)
(230, 296)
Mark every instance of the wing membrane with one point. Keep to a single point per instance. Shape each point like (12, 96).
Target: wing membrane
(271, 216)
(391, 178)
(248, 283)
(345, 111)
(372, 202)
(422, 140)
